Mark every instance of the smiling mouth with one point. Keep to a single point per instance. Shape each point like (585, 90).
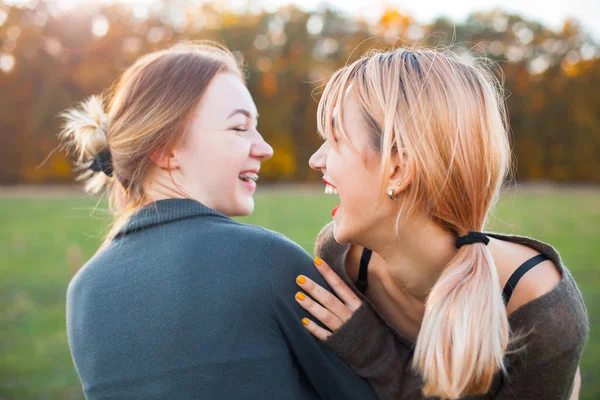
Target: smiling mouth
(330, 189)
(248, 177)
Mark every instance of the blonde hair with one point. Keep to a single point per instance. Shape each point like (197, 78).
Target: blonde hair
(446, 116)
(148, 112)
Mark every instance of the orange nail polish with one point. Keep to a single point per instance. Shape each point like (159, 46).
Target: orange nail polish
(300, 296)
(301, 279)
(318, 261)
(305, 321)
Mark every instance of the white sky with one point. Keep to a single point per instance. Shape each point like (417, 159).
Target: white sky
(549, 12)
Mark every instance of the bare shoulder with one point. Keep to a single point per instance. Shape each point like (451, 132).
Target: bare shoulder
(537, 282)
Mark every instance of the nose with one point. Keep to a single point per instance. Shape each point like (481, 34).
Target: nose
(260, 149)
(318, 159)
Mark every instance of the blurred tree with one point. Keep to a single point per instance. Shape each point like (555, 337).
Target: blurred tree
(52, 58)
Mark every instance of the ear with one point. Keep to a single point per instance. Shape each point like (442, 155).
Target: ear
(164, 159)
(401, 171)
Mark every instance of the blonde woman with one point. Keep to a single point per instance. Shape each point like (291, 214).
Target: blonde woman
(182, 302)
(416, 147)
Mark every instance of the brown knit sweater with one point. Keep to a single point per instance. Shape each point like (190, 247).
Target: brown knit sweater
(556, 327)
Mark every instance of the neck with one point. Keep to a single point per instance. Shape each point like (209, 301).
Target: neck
(160, 185)
(416, 257)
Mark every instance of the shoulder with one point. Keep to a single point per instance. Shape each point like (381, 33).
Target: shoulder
(546, 308)
(285, 255)
(540, 280)
(86, 285)
(287, 260)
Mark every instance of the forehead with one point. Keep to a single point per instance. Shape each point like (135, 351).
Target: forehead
(225, 93)
(352, 120)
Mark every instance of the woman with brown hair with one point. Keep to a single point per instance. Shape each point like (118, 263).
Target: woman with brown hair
(181, 301)
(416, 147)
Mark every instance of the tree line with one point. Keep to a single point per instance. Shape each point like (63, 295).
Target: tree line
(50, 59)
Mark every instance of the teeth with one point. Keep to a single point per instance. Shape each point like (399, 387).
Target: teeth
(331, 190)
(250, 177)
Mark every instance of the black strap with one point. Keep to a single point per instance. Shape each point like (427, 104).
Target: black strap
(362, 283)
(518, 274)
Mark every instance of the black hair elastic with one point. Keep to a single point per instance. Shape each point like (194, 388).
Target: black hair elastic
(472, 237)
(103, 163)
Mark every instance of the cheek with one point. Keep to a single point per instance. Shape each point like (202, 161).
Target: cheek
(215, 160)
(228, 159)
(354, 180)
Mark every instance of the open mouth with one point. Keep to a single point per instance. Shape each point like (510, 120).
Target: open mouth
(250, 177)
(330, 189)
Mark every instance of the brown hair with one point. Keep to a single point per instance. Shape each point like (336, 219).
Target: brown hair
(148, 112)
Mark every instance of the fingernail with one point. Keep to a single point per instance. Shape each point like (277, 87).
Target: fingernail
(301, 279)
(300, 296)
(305, 321)
(318, 261)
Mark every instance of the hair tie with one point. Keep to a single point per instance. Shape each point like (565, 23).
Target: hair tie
(472, 237)
(103, 163)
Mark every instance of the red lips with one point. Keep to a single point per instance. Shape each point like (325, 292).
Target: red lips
(327, 183)
(335, 210)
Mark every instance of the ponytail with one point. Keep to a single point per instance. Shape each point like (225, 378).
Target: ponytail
(147, 112)
(465, 331)
(442, 118)
(84, 134)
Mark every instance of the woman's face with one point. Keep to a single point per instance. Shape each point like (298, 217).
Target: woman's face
(220, 155)
(351, 167)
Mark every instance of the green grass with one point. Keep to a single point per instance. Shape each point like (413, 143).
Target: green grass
(43, 241)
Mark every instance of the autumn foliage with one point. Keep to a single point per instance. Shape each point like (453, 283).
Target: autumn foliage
(50, 59)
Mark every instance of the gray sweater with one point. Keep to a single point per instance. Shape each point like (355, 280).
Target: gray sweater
(540, 367)
(186, 303)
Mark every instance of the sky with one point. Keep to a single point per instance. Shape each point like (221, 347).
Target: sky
(551, 13)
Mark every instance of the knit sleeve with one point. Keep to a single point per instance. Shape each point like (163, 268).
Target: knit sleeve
(542, 363)
(329, 250)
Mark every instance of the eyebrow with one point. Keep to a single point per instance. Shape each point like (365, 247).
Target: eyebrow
(243, 112)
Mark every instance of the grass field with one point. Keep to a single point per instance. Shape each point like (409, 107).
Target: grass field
(44, 240)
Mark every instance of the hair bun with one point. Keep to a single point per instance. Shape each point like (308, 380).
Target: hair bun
(84, 134)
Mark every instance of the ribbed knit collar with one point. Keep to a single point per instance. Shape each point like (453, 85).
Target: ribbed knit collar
(165, 211)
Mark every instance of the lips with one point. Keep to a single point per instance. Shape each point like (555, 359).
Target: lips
(335, 210)
(250, 176)
(326, 182)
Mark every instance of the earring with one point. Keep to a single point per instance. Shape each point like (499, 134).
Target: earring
(391, 193)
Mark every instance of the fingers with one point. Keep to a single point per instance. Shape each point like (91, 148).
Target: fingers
(316, 330)
(327, 300)
(338, 285)
(326, 317)
(326, 308)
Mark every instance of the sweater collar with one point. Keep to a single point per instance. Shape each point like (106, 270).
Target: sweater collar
(165, 211)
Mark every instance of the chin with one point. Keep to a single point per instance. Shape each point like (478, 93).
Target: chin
(245, 208)
(339, 235)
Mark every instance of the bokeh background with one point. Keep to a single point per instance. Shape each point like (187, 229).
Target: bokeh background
(55, 53)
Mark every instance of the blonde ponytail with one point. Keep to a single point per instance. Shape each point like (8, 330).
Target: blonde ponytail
(447, 116)
(84, 134)
(465, 331)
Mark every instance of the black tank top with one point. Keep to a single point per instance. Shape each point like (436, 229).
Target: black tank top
(362, 283)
